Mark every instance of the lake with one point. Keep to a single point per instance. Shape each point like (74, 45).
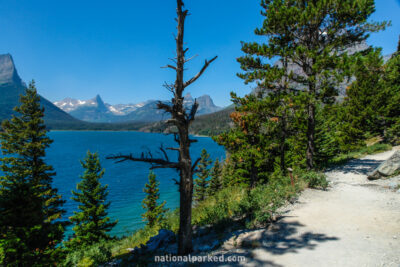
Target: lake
(125, 180)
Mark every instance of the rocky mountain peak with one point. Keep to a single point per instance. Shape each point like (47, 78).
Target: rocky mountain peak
(100, 103)
(205, 100)
(188, 98)
(8, 72)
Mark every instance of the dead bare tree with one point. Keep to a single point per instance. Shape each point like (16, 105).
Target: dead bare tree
(181, 119)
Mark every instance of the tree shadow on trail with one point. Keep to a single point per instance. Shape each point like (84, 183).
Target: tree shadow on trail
(283, 238)
(279, 238)
(359, 166)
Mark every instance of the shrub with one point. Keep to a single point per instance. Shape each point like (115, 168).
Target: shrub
(219, 208)
(90, 256)
(261, 203)
(393, 134)
(315, 180)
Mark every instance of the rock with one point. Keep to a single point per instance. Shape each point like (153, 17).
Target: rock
(163, 238)
(393, 185)
(387, 168)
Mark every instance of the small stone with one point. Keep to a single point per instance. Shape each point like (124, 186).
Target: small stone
(393, 185)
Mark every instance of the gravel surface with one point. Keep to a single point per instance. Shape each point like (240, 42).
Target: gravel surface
(355, 222)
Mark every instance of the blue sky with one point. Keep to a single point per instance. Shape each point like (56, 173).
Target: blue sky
(116, 48)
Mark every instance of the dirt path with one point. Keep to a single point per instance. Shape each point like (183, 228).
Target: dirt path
(355, 223)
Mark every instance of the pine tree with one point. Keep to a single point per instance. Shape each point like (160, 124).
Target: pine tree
(363, 94)
(155, 212)
(215, 184)
(311, 36)
(201, 182)
(228, 173)
(30, 208)
(258, 142)
(91, 222)
(391, 93)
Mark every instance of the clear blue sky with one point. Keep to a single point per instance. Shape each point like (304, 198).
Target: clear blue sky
(116, 48)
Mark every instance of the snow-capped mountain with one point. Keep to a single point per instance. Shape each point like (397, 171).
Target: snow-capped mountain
(95, 110)
(71, 104)
(124, 109)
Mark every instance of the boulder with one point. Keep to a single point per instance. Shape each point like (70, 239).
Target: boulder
(387, 168)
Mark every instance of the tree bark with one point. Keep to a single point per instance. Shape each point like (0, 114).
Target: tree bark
(282, 144)
(310, 136)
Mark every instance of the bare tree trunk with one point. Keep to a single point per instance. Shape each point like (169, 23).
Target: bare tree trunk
(182, 120)
(282, 144)
(310, 136)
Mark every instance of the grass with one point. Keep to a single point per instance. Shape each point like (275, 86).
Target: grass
(238, 205)
(367, 150)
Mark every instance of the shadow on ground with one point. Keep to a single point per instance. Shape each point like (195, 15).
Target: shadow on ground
(281, 238)
(359, 166)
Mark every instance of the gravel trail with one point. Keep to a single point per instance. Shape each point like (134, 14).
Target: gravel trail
(355, 223)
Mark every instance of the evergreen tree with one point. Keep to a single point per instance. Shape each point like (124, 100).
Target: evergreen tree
(363, 94)
(215, 184)
(311, 36)
(201, 182)
(30, 208)
(91, 222)
(154, 214)
(391, 93)
(228, 173)
(258, 142)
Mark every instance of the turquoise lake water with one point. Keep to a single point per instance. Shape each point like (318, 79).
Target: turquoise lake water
(125, 180)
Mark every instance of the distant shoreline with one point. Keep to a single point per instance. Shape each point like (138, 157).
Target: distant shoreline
(195, 135)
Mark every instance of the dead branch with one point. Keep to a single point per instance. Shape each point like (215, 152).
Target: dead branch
(173, 148)
(187, 60)
(193, 111)
(163, 106)
(206, 64)
(169, 66)
(176, 181)
(195, 164)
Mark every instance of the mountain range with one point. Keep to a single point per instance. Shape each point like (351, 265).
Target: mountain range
(93, 114)
(96, 110)
(12, 86)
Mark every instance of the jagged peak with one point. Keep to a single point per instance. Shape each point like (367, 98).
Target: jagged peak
(8, 72)
(188, 97)
(98, 99)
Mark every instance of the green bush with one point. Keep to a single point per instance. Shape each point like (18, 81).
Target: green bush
(219, 208)
(313, 179)
(393, 134)
(90, 256)
(261, 203)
